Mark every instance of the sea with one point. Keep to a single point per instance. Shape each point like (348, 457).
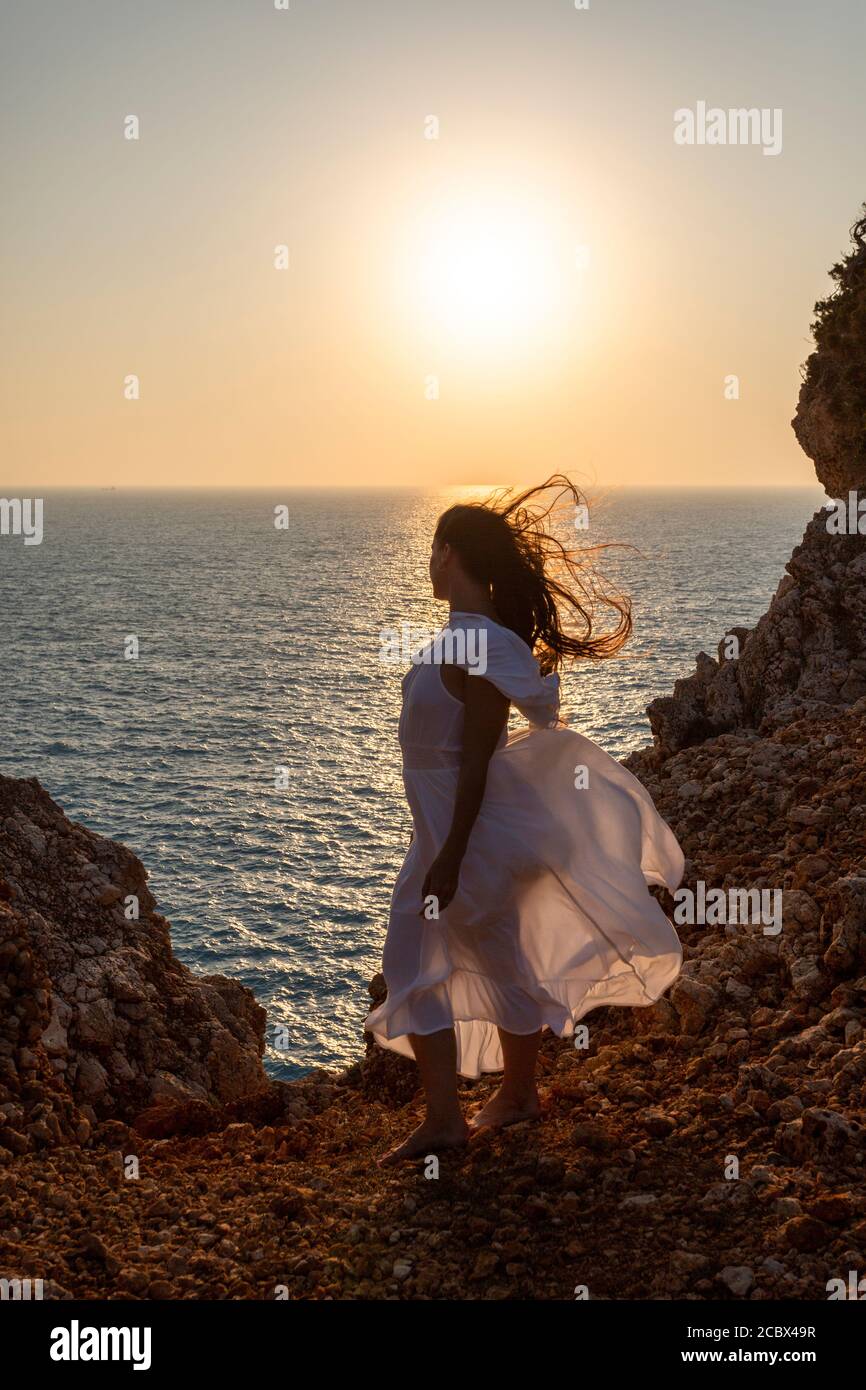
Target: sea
(200, 675)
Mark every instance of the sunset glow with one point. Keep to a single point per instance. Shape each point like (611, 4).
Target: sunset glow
(352, 245)
(487, 279)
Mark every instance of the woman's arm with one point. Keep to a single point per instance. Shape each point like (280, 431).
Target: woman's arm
(486, 714)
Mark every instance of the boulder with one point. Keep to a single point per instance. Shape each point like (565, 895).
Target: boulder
(98, 1018)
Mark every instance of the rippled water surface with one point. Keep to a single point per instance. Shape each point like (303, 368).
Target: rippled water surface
(259, 649)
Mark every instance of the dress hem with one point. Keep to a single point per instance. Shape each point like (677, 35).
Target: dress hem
(569, 1018)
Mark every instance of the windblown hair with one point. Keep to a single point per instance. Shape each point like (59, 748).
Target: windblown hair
(548, 592)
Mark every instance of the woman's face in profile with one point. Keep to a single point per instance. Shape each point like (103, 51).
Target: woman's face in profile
(438, 556)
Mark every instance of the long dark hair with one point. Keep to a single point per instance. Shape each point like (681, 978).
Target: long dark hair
(545, 591)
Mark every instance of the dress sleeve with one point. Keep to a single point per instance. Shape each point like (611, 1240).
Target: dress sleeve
(501, 657)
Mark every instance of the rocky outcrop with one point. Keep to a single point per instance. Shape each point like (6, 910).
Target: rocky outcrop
(830, 422)
(805, 657)
(97, 1016)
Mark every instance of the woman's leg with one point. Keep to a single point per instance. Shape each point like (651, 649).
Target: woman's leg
(443, 1127)
(517, 1097)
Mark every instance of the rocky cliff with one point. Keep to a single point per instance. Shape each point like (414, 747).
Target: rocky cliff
(97, 1016)
(807, 655)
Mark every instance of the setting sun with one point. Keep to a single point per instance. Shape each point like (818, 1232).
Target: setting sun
(484, 276)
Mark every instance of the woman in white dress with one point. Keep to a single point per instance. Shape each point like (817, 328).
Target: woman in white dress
(523, 901)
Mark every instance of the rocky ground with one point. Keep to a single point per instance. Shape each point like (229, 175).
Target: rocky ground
(757, 1055)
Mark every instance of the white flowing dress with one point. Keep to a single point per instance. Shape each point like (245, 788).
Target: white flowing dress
(552, 915)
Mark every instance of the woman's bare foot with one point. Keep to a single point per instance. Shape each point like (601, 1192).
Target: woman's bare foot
(428, 1138)
(503, 1109)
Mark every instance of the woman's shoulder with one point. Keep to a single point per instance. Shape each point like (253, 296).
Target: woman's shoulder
(490, 648)
(482, 622)
(485, 647)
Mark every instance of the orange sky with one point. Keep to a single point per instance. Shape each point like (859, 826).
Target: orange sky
(455, 258)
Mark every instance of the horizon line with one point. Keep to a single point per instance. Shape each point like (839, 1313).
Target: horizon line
(32, 488)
